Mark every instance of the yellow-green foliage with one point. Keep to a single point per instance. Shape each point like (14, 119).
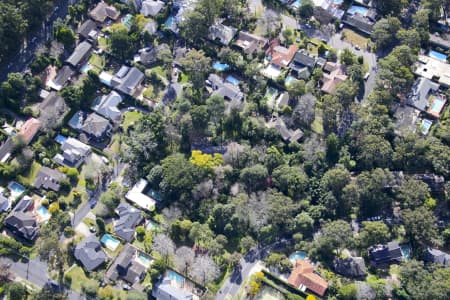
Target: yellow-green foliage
(255, 283)
(206, 161)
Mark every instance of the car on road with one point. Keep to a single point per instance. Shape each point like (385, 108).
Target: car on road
(357, 47)
(366, 76)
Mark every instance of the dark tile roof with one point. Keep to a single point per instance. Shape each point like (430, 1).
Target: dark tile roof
(96, 126)
(351, 266)
(4, 203)
(89, 253)
(62, 77)
(86, 28)
(6, 148)
(359, 23)
(127, 79)
(437, 256)
(385, 254)
(129, 218)
(49, 179)
(302, 59)
(21, 220)
(79, 54)
(420, 92)
(151, 55)
(103, 11)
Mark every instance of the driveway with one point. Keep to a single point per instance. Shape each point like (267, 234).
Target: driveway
(369, 57)
(34, 271)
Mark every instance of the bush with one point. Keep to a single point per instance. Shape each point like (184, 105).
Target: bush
(140, 233)
(69, 232)
(44, 203)
(90, 288)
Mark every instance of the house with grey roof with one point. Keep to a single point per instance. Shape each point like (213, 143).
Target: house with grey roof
(151, 27)
(96, 127)
(149, 56)
(127, 80)
(221, 33)
(80, 54)
(224, 89)
(73, 153)
(62, 77)
(4, 203)
(129, 218)
(359, 22)
(165, 290)
(21, 221)
(49, 179)
(353, 267)
(89, 253)
(103, 12)
(88, 30)
(107, 106)
(151, 7)
(385, 254)
(420, 93)
(250, 43)
(52, 110)
(303, 64)
(437, 256)
(287, 134)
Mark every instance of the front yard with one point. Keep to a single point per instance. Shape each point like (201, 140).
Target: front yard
(77, 279)
(355, 38)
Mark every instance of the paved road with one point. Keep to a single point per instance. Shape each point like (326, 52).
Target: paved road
(21, 61)
(369, 57)
(33, 271)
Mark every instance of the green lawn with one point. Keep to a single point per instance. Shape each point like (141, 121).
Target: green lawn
(184, 78)
(355, 38)
(79, 278)
(97, 61)
(317, 125)
(29, 177)
(160, 71)
(103, 43)
(115, 145)
(130, 118)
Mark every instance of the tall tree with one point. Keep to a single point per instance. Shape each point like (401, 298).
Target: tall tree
(197, 65)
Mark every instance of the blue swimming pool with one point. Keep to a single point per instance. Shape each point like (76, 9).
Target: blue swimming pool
(75, 121)
(16, 189)
(299, 255)
(169, 22)
(110, 242)
(60, 139)
(175, 276)
(289, 79)
(86, 67)
(43, 212)
(437, 55)
(406, 251)
(425, 126)
(438, 105)
(338, 2)
(144, 259)
(357, 9)
(296, 3)
(218, 66)
(231, 79)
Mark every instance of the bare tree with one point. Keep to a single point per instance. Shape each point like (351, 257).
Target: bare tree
(163, 245)
(184, 259)
(204, 269)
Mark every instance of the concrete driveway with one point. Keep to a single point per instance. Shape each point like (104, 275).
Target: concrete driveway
(369, 57)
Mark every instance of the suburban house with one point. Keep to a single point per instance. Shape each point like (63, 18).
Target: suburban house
(4, 203)
(250, 43)
(325, 10)
(73, 153)
(89, 253)
(103, 11)
(437, 41)
(151, 7)
(61, 79)
(221, 33)
(88, 30)
(424, 96)
(126, 80)
(80, 54)
(353, 267)
(303, 64)
(405, 120)
(130, 265)
(94, 126)
(385, 254)
(437, 256)
(151, 27)
(107, 106)
(278, 57)
(303, 276)
(433, 69)
(49, 179)
(287, 134)
(5, 149)
(129, 218)
(138, 196)
(149, 56)
(224, 89)
(164, 290)
(52, 110)
(21, 221)
(29, 130)
(333, 74)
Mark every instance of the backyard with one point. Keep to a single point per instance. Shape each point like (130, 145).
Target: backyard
(29, 177)
(355, 38)
(130, 118)
(77, 279)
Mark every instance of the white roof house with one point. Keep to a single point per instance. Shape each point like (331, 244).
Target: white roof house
(137, 196)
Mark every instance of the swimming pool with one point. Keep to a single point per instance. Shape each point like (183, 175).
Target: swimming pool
(60, 139)
(296, 3)
(144, 260)
(437, 105)
(231, 79)
(357, 9)
(155, 195)
(86, 67)
(218, 66)
(338, 2)
(406, 251)
(75, 121)
(43, 213)
(110, 242)
(299, 255)
(175, 276)
(169, 22)
(437, 55)
(289, 79)
(16, 189)
(425, 126)
(126, 21)
(151, 226)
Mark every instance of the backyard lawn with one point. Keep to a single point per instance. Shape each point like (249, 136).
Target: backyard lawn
(355, 38)
(28, 179)
(78, 278)
(97, 61)
(130, 118)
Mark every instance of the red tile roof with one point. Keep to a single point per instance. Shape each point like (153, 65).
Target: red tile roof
(303, 274)
(29, 129)
(281, 56)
